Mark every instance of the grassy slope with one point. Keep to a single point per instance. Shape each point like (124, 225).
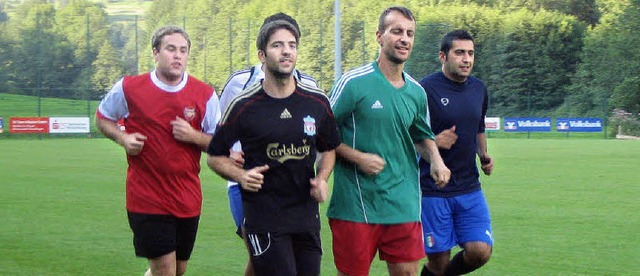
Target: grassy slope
(20, 105)
(558, 206)
(127, 8)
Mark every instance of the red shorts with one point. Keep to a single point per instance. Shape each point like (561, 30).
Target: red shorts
(355, 244)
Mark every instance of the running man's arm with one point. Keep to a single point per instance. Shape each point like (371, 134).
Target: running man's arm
(112, 108)
(132, 143)
(324, 167)
(439, 171)
(250, 180)
(486, 161)
(184, 132)
(343, 99)
(369, 163)
(481, 139)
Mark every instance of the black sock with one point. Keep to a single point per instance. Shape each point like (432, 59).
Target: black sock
(457, 266)
(426, 271)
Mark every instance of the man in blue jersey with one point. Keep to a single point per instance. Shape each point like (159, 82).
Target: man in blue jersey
(237, 82)
(458, 213)
(382, 117)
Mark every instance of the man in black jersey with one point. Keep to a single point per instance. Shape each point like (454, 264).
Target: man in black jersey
(238, 82)
(282, 124)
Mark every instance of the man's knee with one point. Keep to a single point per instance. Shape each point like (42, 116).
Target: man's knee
(437, 262)
(163, 265)
(477, 253)
(181, 268)
(410, 268)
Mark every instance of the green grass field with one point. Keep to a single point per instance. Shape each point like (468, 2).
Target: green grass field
(559, 207)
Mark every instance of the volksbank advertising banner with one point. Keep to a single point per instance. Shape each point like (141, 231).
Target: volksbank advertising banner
(579, 125)
(527, 124)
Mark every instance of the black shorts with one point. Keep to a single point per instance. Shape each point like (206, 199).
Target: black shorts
(157, 235)
(285, 253)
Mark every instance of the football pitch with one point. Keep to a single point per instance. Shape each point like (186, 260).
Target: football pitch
(559, 207)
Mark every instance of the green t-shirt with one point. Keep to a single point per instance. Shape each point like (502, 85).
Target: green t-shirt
(375, 117)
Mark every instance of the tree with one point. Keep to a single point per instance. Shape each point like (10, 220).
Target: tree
(607, 60)
(536, 61)
(123, 37)
(6, 60)
(43, 60)
(627, 95)
(85, 26)
(109, 68)
(424, 58)
(584, 10)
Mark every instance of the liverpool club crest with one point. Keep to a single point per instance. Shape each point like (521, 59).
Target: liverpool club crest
(309, 125)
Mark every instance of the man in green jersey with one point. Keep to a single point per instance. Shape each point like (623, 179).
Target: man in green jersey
(382, 116)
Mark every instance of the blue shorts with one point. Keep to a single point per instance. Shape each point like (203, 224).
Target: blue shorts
(451, 221)
(235, 206)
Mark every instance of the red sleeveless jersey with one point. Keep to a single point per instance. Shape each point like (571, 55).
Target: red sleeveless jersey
(163, 177)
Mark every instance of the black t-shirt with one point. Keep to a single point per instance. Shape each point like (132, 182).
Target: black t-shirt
(285, 134)
(463, 105)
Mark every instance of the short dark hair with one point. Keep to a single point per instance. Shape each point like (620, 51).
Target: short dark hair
(156, 39)
(268, 29)
(447, 40)
(282, 16)
(382, 23)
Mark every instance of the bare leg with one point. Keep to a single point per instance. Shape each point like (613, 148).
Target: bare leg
(474, 256)
(477, 253)
(248, 270)
(403, 269)
(438, 262)
(181, 267)
(164, 265)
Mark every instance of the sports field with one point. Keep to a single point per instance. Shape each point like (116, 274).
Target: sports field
(559, 207)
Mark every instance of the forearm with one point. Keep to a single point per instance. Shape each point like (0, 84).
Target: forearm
(110, 129)
(225, 167)
(481, 149)
(348, 153)
(438, 170)
(428, 150)
(325, 164)
(201, 139)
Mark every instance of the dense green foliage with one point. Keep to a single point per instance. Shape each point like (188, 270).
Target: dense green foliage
(543, 57)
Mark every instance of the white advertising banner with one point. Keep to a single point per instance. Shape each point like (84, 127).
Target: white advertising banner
(492, 123)
(69, 125)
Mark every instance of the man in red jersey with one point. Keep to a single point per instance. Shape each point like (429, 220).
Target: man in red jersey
(169, 118)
